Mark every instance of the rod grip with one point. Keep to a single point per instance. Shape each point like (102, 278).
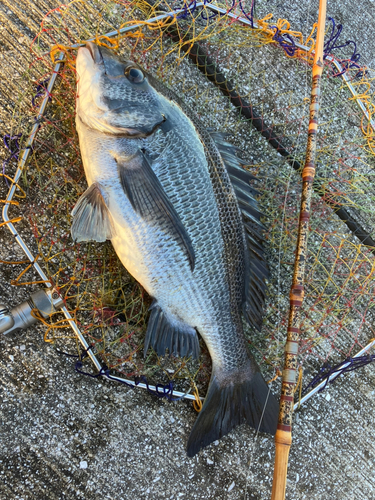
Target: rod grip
(283, 440)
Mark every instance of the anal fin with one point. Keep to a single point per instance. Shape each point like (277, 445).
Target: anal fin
(162, 333)
(92, 220)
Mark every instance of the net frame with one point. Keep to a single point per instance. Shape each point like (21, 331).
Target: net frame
(25, 154)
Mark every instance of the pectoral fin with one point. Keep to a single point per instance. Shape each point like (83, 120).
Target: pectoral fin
(149, 200)
(92, 220)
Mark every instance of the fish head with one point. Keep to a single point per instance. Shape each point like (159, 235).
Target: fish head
(114, 95)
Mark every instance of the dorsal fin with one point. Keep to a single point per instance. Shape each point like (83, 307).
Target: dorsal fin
(256, 265)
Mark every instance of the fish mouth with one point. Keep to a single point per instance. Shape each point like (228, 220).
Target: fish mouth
(95, 53)
(106, 60)
(104, 57)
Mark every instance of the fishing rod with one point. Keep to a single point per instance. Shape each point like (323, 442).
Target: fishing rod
(283, 438)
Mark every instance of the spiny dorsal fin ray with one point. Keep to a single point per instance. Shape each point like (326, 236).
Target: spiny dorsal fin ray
(162, 333)
(238, 183)
(92, 220)
(237, 172)
(150, 201)
(256, 265)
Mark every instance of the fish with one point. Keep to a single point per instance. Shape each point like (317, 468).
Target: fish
(173, 198)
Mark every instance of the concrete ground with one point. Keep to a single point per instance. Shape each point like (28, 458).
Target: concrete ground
(65, 436)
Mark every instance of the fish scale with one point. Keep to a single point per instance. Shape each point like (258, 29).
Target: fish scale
(160, 190)
(164, 275)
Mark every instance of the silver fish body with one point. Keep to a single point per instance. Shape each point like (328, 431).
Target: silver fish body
(160, 190)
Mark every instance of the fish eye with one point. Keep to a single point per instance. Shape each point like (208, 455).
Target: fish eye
(134, 75)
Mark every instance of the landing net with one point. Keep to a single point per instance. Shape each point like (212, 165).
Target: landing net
(271, 73)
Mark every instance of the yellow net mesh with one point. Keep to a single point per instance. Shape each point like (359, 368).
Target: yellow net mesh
(109, 307)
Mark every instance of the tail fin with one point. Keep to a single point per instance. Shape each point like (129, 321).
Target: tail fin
(230, 402)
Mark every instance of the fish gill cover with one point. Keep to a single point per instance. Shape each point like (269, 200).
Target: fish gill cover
(268, 79)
